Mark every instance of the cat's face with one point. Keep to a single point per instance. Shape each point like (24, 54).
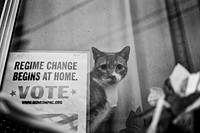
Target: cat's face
(110, 68)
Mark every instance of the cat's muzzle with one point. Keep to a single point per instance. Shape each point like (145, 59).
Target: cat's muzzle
(113, 80)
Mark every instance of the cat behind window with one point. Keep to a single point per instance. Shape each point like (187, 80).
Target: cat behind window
(109, 69)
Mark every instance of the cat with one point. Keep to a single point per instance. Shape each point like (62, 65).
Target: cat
(109, 69)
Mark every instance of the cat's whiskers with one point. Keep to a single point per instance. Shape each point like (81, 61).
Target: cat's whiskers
(99, 82)
(104, 80)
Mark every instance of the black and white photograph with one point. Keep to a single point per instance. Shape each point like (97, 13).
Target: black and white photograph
(99, 66)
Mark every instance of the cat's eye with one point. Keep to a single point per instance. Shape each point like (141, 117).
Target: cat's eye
(119, 67)
(104, 67)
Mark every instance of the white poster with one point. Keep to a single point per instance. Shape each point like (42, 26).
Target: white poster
(52, 85)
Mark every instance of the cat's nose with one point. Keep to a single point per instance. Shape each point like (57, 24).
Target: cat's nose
(113, 77)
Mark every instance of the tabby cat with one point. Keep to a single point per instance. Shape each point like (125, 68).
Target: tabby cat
(109, 69)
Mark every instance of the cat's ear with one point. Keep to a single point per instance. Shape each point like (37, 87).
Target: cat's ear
(96, 53)
(125, 53)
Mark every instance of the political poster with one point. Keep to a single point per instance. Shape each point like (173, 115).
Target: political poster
(52, 85)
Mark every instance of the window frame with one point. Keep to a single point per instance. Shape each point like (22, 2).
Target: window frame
(7, 21)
